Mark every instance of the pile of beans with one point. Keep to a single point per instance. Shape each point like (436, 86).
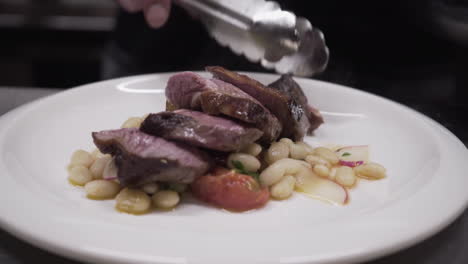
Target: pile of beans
(285, 159)
(278, 166)
(87, 170)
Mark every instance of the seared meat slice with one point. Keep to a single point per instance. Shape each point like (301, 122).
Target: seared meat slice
(315, 118)
(275, 101)
(231, 101)
(289, 112)
(200, 129)
(287, 85)
(192, 91)
(142, 158)
(183, 90)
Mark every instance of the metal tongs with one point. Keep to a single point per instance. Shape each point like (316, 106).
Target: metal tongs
(263, 33)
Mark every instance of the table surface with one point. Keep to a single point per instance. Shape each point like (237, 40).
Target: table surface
(448, 246)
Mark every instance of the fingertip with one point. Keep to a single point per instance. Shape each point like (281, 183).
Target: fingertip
(156, 15)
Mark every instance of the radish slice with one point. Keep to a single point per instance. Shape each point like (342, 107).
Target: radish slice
(353, 156)
(321, 189)
(351, 163)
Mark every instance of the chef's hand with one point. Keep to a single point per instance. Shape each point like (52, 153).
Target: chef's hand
(156, 11)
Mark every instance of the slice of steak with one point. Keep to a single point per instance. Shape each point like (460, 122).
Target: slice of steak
(192, 91)
(287, 85)
(289, 112)
(142, 158)
(315, 118)
(275, 101)
(183, 90)
(231, 101)
(200, 129)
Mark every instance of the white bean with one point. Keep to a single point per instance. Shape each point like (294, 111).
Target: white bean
(315, 160)
(277, 151)
(96, 154)
(166, 199)
(132, 201)
(308, 148)
(275, 172)
(284, 188)
(345, 176)
(298, 151)
(321, 170)
(370, 171)
(98, 166)
(287, 141)
(304, 178)
(79, 175)
(150, 188)
(253, 149)
(101, 189)
(81, 157)
(249, 162)
(132, 122)
(327, 154)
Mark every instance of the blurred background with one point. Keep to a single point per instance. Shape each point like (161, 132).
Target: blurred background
(60, 43)
(414, 52)
(53, 43)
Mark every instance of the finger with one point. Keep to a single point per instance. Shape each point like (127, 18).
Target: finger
(131, 5)
(157, 12)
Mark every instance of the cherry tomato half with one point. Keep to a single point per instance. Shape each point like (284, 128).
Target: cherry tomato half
(230, 190)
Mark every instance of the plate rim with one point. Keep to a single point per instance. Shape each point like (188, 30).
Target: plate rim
(66, 252)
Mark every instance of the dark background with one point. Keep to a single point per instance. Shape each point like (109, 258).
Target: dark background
(53, 43)
(414, 52)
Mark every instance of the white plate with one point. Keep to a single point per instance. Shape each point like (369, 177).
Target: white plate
(425, 189)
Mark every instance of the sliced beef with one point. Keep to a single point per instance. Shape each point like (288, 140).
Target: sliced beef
(183, 90)
(200, 129)
(274, 100)
(312, 119)
(142, 158)
(315, 118)
(215, 97)
(289, 112)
